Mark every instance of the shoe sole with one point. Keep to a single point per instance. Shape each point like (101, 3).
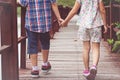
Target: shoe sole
(35, 76)
(92, 75)
(46, 71)
(93, 72)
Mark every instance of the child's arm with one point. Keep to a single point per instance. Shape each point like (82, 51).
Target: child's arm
(103, 14)
(56, 11)
(71, 13)
(23, 2)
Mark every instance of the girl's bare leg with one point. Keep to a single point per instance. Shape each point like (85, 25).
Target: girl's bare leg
(86, 51)
(96, 53)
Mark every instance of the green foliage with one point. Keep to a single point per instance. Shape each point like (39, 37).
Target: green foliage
(110, 41)
(117, 1)
(106, 2)
(116, 46)
(18, 11)
(69, 3)
(118, 35)
(117, 24)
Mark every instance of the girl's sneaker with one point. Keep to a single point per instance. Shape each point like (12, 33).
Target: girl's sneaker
(93, 71)
(35, 73)
(86, 74)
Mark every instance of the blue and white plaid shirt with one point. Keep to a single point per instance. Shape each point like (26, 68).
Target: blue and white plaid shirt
(38, 15)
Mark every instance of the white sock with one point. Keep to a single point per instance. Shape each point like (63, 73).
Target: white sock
(35, 68)
(45, 64)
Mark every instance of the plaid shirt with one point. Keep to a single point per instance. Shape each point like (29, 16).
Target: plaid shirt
(38, 15)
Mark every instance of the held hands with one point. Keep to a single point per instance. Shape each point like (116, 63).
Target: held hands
(62, 23)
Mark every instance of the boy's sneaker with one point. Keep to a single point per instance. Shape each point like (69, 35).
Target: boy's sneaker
(93, 72)
(35, 73)
(46, 68)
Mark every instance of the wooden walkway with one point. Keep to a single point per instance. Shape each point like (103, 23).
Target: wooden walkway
(66, 59)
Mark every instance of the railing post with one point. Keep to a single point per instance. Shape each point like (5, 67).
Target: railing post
(23, 42)
(8, 24)
(111, 19)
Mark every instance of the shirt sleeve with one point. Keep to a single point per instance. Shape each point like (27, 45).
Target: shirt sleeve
(23, 3)
(53, 1)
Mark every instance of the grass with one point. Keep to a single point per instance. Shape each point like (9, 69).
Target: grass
(18, 11)
(69, 3)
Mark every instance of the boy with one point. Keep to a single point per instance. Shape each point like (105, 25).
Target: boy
(38, 25)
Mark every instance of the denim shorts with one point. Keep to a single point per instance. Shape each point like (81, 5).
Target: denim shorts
(33, 39)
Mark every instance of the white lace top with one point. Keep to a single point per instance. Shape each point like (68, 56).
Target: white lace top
(90, 16)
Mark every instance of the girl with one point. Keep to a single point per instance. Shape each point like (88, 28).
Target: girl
(92, 17)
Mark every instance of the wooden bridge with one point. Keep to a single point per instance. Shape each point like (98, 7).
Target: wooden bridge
(65, 53)
(66, 59)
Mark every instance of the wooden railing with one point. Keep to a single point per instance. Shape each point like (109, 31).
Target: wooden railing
(8, 35)
(113, 15)
(22, 38)
(5, 3)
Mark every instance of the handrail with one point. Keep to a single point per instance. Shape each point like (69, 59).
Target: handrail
(5, 3)
(4, 48)
(20, 39)
(116, 5)
(107, 6)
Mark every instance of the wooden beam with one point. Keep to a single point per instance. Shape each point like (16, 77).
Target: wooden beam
(22, 38)
(4, 48)
(5, 3)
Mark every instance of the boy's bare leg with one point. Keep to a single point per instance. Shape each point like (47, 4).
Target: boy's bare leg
(33, 58)
(96, 53)
(45, 54)
(46, 66)
(86, 51)
(35, 69)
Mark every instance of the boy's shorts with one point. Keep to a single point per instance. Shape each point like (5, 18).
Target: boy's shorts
(93, 34)
(33, 39)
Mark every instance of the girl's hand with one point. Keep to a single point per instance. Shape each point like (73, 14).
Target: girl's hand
(105, 29)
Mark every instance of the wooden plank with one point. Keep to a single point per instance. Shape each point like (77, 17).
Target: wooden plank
(5, 3)
(116, 5)
(22, 38)
(4, 48)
